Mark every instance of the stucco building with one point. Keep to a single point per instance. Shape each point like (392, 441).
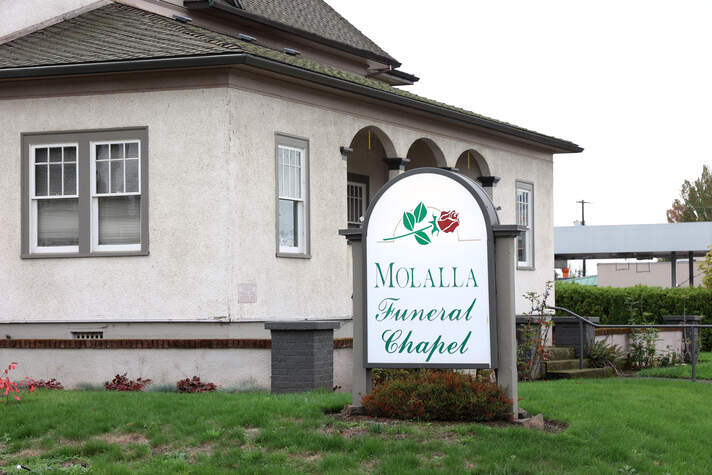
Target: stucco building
(179, 170)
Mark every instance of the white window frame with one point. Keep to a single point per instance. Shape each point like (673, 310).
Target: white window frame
(527, 188)
(34, 248)
(95, 246)
(301, 207)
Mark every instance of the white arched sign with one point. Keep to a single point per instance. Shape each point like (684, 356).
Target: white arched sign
(429, 297)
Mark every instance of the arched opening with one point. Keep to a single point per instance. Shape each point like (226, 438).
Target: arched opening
(425, 153)
(472, 165)
(367, 171)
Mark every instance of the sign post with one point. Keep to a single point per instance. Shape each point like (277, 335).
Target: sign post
(431, 288)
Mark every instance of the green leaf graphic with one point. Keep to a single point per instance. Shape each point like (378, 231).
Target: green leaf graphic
(422, 237)
(420, 212)
(408, 220)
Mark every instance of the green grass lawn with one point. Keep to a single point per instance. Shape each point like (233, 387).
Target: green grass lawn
(703, 371)
(625, 425)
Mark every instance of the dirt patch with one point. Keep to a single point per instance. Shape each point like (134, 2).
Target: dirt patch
(555, 427)
(345, 432)
(252, 432)
(361, 425)
(123, 439)
(29, 453)
(73, 462)
(309, 458)
(205, 449)
(368, 466)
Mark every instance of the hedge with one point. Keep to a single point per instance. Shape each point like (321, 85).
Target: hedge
(611, 305)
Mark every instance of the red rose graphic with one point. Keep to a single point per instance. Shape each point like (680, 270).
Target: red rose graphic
(448, 221)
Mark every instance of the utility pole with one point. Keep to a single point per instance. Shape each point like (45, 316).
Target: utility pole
(583, 223)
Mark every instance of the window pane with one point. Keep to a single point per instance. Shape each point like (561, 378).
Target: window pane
(120, 220)
(58, 222)
(41, 180)
(132, 150)
(117, 176)
(102, 152)
(40, 155)
(288, 223)
(55, 179)
(117, 150)
(283, 188)
(521, 249)
(70, 179)
(55, 154)
(131, 175)
(289, 173)
(102, 177)
(70, 154)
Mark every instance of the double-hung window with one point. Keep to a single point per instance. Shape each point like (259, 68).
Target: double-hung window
(292, 197)
(525, 218)
(116, 195)
(85, 193)
(54, 197)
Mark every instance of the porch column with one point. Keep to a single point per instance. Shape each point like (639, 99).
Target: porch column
(673, 269)
(691, 264)
(396, 166)
(505, 251)
(361, 377)
(488, 183)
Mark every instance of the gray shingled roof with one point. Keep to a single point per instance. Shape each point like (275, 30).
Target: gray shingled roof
(117, 32)
(111, 33)
(311, 16)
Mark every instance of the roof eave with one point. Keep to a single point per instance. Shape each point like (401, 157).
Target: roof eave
(201, 4)
(229, 59)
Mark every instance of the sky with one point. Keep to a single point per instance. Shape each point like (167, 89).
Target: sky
(630, 81)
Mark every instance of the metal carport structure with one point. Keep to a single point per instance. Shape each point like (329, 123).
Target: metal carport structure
(642, 241)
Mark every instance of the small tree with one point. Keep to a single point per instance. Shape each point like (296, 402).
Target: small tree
(534, 334)
(695, 203)
(706, 268)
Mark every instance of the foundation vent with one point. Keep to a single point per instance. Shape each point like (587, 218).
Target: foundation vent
(87, 335)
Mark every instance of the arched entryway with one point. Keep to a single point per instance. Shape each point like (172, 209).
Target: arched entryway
(367, 170)
(472, 164)
(424, 153)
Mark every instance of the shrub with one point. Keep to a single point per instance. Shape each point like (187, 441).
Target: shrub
(51, 384)
(602, 355)
(613, 304)
(8, 387)
(670, 358)
(122, 383)
(705, 339)
(194, 385)
(642, 349)
(532, 336)
(444, 395)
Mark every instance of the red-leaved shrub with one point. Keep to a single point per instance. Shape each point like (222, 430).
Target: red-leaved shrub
(122, 383)
(51, 384)
(442, 395)
(7, 386)
(194, 385)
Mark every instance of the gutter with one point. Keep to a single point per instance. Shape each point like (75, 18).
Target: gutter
(231, 59)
